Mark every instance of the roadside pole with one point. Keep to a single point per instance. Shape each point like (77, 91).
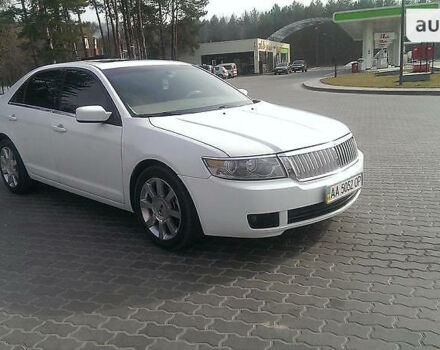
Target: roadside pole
(402, 42)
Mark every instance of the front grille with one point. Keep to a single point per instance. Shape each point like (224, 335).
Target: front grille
(306, 165)
(317, 210)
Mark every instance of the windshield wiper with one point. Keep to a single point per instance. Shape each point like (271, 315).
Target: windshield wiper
(232, 105)
(224, 106)
(161, 114)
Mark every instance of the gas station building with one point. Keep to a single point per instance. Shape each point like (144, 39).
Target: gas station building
(378, 29)
(252, 56)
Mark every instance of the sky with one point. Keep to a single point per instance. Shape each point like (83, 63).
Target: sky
(237, 7)
(225, 7)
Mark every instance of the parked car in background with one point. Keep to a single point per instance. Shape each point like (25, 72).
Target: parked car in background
(208, 67)
(186, 152)
(299, 66)
(231, 68)
(282, 68)
(221, 72)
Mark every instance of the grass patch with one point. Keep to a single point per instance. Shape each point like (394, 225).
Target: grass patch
(371, 80)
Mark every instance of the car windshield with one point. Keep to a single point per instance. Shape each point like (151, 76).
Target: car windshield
(172, 89)
(282, 64)
(298, 62)
(228, 66)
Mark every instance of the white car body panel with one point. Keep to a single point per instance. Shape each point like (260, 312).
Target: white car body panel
(27, 131)
(97, 160)
(88, 156)
(259, 129)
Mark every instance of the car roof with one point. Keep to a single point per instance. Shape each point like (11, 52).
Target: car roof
(104, 64)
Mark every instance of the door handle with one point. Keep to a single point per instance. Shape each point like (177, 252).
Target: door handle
(12, 118)
(59, 128)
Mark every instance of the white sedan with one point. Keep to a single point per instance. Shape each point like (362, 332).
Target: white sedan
(181, 148)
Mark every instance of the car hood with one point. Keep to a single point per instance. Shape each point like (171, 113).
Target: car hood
(257, 129)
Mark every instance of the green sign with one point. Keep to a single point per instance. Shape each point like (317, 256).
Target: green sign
(378, 12)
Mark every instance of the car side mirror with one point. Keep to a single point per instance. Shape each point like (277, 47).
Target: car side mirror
(244, 91)
(92, 114)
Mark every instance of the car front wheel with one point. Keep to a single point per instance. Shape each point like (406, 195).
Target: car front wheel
(165, 209)
(12, 169)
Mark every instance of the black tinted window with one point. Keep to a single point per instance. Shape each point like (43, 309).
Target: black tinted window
(43, 88)
(82, 89)
(19, 95)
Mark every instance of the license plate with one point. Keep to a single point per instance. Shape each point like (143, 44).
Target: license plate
(343, 189)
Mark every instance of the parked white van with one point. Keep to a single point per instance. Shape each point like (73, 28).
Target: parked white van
(231, 68)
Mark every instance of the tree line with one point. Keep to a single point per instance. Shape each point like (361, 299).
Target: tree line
(261, 24)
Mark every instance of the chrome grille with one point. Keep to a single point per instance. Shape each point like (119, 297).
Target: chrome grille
(318, 162)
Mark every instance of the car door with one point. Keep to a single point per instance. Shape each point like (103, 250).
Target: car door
(30, 112)
(88, 155)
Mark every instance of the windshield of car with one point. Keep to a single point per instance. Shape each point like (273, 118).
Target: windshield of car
(172, 89)
(228, 66)
(282, 64)
(298, 62)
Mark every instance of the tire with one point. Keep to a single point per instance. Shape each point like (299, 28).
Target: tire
(168, 214)
(12, 170)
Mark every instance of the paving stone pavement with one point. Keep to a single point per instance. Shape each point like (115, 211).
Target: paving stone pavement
(75, 274)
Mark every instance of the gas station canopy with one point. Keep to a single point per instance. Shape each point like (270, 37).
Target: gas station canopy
(370, 25)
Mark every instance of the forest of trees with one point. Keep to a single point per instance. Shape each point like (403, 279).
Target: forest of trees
(253, 24)
(37, 32)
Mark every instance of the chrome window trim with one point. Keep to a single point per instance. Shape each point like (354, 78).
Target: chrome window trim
(31, 106)
(55, 111)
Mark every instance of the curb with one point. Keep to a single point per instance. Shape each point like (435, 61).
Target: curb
(316, 85)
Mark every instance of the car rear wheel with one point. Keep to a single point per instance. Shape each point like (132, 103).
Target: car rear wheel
(12, 169)
(165, 209)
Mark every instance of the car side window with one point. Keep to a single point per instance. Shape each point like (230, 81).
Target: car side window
(43, 88)
(18, 97)
(81, 89)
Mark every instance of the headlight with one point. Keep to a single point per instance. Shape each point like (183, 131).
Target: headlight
(263, 168)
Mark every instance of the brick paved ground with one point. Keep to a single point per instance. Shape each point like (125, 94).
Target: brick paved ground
(75, 274)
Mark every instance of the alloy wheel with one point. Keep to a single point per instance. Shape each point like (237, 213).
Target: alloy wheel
(8, 166)
(160, 208)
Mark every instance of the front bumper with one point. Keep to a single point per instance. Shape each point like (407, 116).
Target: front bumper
(223, 205)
